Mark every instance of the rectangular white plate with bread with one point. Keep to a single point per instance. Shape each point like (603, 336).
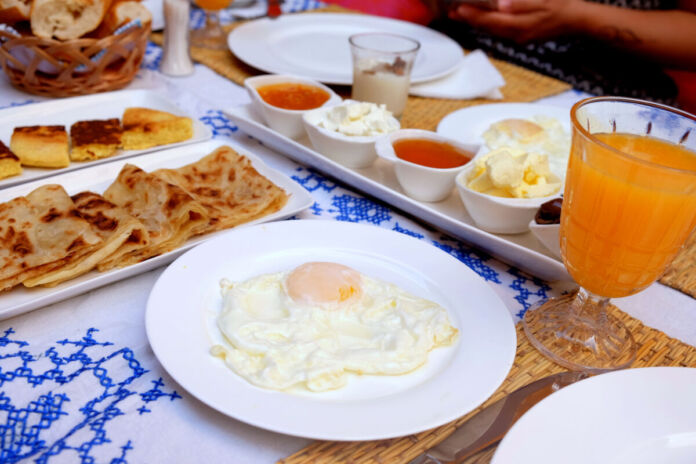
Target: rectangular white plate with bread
(379, 180)
(70, 110)
(97, 179)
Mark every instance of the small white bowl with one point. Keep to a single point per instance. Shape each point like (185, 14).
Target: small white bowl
(286, 122)
(497, 214)
(353, 151)
(421, 182)
(548, 235)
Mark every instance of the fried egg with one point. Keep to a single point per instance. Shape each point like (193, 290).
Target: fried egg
(312, 326)
(541, 134)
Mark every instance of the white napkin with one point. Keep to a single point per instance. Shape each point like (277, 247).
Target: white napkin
(476, 77)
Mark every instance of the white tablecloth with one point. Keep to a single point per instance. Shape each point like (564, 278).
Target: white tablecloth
(79, 383)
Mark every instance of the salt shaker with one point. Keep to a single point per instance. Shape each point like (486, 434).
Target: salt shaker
(176, 59)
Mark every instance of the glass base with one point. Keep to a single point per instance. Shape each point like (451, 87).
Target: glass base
(212, 35)
(576, 332)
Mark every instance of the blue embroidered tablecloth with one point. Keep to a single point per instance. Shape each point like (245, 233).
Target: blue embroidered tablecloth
(78, 381)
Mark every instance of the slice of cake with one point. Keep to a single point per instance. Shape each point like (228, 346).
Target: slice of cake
(41, 146)
(145, 128)
(95, 139)
(9, 163)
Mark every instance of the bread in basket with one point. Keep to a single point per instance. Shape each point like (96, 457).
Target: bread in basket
(50, 60)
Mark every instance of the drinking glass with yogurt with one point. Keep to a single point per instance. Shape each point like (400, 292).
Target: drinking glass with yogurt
(382, 66)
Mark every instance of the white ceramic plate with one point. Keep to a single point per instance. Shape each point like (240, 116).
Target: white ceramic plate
(635, 416)
(66, 111)
(183, 305)
(469, 124)
(97, 179)
(315, 45)
(379, 180)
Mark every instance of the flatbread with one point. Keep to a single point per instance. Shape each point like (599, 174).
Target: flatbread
(39, 233)
(111, 223)
(169, 214)
(229, 188)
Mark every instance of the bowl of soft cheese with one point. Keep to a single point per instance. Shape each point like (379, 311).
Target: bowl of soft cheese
(347, 133)
(503, 189)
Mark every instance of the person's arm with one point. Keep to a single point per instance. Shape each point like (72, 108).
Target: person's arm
(667, 37)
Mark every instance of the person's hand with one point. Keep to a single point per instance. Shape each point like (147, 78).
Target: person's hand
(522, 20)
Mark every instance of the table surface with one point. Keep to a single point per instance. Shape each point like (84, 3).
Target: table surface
(78, 380)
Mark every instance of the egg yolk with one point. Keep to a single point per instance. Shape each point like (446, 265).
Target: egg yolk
(321, 283)
(521, 129)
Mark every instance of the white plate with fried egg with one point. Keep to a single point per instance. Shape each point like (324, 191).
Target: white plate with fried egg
(439, 305)
(530, 127)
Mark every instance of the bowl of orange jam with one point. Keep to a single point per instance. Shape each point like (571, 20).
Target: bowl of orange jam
(425, 163)
(281, 100)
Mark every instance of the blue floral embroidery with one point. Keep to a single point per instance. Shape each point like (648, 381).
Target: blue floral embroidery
(219, 123)
(39, 428)
(153, 57)
(472, 258)
(312, 180)
(353, 208)
(521, 284)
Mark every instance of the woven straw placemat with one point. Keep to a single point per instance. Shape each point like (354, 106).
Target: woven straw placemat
(521, 85)
(656, 349)
(681, 274)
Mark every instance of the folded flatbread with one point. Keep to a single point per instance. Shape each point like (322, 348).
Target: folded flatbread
(40, 233)
(119, 231)
(169, 214)
(229, 188)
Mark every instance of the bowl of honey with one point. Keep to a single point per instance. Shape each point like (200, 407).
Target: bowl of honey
(281, 100)
(425, 163)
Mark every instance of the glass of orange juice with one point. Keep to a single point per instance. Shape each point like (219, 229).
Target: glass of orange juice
(629, 205)
(211, 35)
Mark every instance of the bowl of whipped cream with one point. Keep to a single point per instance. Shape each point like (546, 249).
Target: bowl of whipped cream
(346, 133)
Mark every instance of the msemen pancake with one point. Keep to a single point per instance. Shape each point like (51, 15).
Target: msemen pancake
(229, 188)
(39, 233)
(111, 223)
(169, 214)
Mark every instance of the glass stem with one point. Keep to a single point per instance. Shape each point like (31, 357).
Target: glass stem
(590, 307)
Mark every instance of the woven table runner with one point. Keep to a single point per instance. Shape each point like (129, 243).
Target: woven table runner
(681, 274)
(656, 349)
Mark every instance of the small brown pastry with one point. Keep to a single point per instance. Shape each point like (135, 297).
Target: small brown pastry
(95, 139)
(145, 128)
(41, 146)
(9, 162)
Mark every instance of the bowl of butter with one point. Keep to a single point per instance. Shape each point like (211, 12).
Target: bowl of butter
(347, 133)
(503, 189)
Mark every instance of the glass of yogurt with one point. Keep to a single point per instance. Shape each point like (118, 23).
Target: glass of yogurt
(382, 66)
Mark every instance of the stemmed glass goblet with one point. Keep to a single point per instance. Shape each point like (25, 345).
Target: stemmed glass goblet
(629, 205)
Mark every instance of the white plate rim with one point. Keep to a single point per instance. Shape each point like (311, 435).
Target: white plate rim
(501, 344)
(567, 404)
(254, 57)
(32, 299)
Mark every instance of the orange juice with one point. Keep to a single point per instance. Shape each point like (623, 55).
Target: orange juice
(213, 4)
(625, 217)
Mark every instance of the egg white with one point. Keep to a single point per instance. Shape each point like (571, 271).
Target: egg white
(277, 343)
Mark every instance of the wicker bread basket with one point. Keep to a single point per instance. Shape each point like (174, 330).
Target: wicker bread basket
(75, 67)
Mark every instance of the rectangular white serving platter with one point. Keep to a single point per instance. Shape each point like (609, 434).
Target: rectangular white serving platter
(379, 180)
(97, 179)
(67, 111)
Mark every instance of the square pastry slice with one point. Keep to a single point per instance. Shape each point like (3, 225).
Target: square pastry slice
(9, 162)
(145, 128)
(41, 146)
(95, 139)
